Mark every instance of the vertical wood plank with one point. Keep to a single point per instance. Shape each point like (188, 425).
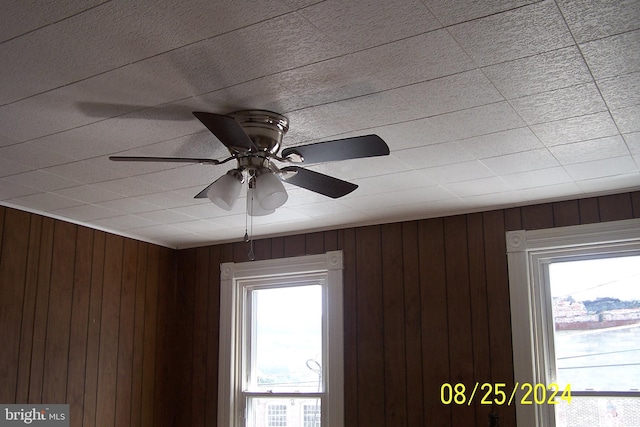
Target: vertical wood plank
(150, 332)
(13, 262)
(79, 325)
(93, 330)
(635, 204)
(277, 247)
(459, 313)
(138, 334)
(294, 245)
(537, 216)
(370, 327)
(434, 318)
(566, 213)
(589, 212)
(479, 314)
(498, 307)
(109, 327)
(347, 241)
(125, 332)
(213, 333)
(314, 243)
(262, 249)
(615, 207)
(28, 309)
(331, 240)
(413, 331)
(59, 321)
(200, 331)
(395, 393)
(182, 369)
(513, 219)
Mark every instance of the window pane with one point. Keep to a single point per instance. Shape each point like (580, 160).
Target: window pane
(596, 310)
(281, 412)
(288, 339)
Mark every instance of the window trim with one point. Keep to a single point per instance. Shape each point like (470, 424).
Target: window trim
(231, 277)
(527, 251)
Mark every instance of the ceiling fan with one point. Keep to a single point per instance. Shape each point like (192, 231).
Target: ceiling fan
(253, 138)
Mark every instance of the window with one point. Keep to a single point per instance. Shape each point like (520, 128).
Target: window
(281, 361)
(277, 416)
(575, 304)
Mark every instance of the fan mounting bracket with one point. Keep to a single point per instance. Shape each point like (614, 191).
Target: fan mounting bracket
(265, 128)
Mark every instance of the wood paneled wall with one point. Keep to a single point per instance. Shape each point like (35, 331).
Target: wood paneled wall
(82, 321)
(426, 303)
(127, 332)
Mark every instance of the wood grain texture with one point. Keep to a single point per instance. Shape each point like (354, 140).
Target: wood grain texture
(127, 332)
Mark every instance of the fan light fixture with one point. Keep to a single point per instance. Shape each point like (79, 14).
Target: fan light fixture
(269, 190)
(225, 190)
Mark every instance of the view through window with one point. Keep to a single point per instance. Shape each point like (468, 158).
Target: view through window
(596, 330)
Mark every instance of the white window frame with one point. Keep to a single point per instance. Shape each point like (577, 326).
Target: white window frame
(527, 253)
(234, 277)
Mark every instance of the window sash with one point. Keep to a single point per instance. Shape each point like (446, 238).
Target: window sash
(529, 252)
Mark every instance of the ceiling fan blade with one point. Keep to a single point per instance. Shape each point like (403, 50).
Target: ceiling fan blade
(318, 182)
(203, 193)
(227, 130)
(340, 149)
(167, 159)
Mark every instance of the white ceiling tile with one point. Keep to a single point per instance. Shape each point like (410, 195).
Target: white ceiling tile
(88, 193)
(477, 187)
(361, 168)
(10, 167)
(514, 34)
(629, 181)
(590, 20)
(550, 193)
(86, 212)
(185, 176)
(370, 22)
(416, 59)
(122, 222)
(602, 168)
(521, 162)
(505, 142)
(11, 190)
(633, 142)
(42, 180)
(196, 226)
(32, 155)
(388, 183)
(465, 171)
(129, 187)
(537, 178)
(114, 34)
(322, 209)
(165, 216)
(452, 93)
(371, 203)
(613, 56)
(45, 202)
(627, 119)
(414, 133)
(453, 12)
(434, 155)
(539, 73)
(586, 151)
(621, 91)
(575, 129)
(207, 210)
(128, 206)
(558, 104)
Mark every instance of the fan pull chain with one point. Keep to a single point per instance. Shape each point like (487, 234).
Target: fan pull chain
(249, 218)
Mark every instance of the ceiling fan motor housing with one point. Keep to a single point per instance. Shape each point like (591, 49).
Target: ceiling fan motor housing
(265, 128)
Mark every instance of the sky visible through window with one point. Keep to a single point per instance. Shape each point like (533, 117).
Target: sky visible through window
(289, 338)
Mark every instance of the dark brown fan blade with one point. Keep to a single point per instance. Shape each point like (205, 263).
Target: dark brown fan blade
(167, 159)
(227, 130)
(340, 149)
(318, 182)
(203, 193)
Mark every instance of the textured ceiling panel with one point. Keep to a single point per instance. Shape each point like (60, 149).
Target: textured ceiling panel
(483, 104)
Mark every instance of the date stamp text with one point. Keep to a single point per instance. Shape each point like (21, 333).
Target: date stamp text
(499, 394)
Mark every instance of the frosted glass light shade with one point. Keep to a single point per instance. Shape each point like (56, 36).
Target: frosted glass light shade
(269, 190)
(225, 190)
(253, 207)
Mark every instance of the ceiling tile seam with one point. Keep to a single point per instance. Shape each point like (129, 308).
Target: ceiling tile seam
(595, 82)
(55, 22)
(224, 33)
(485, 16)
